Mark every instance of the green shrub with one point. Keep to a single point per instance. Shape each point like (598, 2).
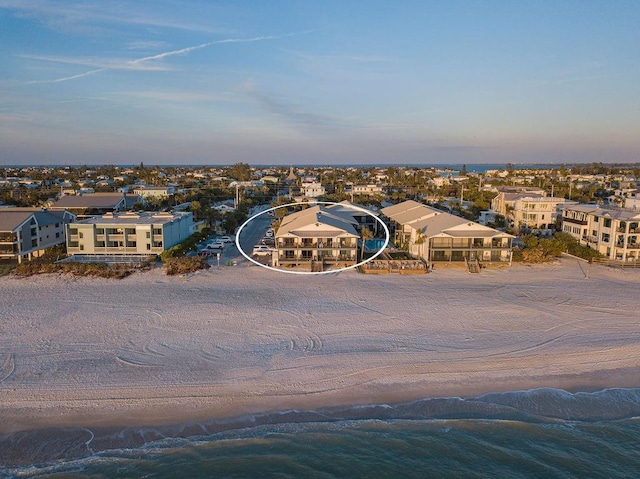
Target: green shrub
(184, 264)
(540, 250)
(101, 270)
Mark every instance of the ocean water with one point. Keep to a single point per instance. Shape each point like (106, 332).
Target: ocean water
(542, 433)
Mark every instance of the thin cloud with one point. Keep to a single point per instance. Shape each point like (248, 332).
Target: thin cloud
(291, 114)
(100, 63)
(171, 53)
(86, 16)
(146, 45)
(72, 77)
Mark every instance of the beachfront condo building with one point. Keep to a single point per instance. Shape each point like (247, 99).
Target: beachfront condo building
(129, 234)
(317, 235)
(436, 236)
(529, 210)
(26, 233)
(613, 232)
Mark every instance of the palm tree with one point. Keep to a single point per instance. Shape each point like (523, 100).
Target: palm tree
(365, 234)
(419, 241)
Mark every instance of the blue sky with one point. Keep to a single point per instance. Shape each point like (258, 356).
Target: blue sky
(319, 82)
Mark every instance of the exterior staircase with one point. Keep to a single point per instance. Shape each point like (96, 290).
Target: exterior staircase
(473, 265)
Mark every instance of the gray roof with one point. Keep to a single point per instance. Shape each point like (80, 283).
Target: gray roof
(134, 218)
(95, 200)
(614, 213)
(12, 218)
(433, 222)
(315, 217)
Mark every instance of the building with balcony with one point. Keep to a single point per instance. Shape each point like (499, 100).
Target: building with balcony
(317, 234)
(436, 236)
(129, 234)
(146, 191)
(26, 233)
(312, 189)
(365, 190)
(613, 232)
(529, 210)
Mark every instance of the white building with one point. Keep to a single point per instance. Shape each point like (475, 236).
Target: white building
(436, 236)
(614, 232)
(137, 234)
(154, 191)
(312, 189)
(27, 232)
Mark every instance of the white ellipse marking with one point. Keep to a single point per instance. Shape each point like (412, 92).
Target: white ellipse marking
(384, 226)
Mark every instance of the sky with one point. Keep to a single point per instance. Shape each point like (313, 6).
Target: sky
(319, 82)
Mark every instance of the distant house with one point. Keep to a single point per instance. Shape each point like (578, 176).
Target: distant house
(223, 207)
(130, 233)
(529, 208)
(312, 189)
(436, 236)
(96, 204)
(145, 191)
(27, 232)
(365, 190)
(317, 234)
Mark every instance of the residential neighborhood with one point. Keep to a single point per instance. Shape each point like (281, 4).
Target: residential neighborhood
(435, 215)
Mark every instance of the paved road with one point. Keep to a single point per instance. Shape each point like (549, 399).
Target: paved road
(249, 236)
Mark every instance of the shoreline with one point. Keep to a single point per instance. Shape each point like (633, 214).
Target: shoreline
(166, 353)
(52, 445)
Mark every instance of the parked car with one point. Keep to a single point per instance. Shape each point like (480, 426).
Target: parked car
(262, 250)
(268, 241)
(226, 239)
(215, 245)
(269, 233)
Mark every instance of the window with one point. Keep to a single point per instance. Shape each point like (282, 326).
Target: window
(605, 237)
(99, 231)
(81, 247)
(148, 235)
(80, 235)
(157, 231)
(148, 246)
(607, 223)
(57, 235)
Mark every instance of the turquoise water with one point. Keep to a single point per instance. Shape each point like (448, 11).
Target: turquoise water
(540, 444)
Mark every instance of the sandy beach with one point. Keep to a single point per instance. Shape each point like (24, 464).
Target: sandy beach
(153, 350)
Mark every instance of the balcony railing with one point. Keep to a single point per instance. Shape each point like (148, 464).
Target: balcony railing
(314, 246)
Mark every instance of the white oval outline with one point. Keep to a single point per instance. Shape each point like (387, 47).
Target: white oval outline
(386, 241)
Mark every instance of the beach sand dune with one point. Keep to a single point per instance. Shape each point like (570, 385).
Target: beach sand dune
(153, 349)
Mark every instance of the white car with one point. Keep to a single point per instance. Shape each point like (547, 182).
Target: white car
(216, 245)
(226, 239)
(269, 233)
(262, 250)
